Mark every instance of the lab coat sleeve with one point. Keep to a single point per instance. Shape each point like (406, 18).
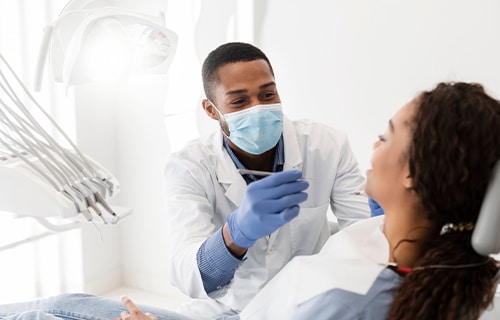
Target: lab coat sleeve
(190, 209)
(348, 200)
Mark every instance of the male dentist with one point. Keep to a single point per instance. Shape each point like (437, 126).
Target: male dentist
(231, 231)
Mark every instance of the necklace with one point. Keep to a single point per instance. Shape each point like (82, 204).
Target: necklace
(406, 270)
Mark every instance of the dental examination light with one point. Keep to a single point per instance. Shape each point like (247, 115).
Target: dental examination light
(39, 177)
(102, 41)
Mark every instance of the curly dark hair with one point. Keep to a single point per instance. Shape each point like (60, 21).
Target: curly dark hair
(454, 147)
(231, 52)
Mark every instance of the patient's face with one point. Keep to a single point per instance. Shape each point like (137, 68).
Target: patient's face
(388, 178)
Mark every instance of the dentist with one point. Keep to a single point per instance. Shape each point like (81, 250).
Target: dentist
(232, 232)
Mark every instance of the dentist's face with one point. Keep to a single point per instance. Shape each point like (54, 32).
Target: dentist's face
(389, 178)
(243, 85)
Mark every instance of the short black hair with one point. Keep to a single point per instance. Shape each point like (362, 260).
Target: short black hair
(228, 53)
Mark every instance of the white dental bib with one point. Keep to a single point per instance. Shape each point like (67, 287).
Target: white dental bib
(351, 260)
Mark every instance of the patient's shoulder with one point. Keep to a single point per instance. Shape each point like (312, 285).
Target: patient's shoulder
(343, 304)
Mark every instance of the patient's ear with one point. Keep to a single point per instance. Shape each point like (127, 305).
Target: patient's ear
(408, 182)
(408, 179)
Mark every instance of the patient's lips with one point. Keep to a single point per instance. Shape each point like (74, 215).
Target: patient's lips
(368, 171)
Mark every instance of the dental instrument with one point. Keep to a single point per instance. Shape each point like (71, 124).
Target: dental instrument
(255, 172)
(39, 177)
(260, 173)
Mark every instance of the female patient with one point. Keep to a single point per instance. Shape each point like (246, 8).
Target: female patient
(430, 171)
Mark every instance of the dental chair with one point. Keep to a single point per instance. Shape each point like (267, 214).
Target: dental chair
(486, 235)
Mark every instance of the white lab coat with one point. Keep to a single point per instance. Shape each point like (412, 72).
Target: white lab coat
(204, 187)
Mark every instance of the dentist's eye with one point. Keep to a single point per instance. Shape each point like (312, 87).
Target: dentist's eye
(269, 95)
(381, 137)
(238, 101)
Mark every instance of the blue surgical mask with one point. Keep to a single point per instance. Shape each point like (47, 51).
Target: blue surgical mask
(257, 129)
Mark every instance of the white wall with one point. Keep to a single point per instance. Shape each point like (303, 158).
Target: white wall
(122, 127)
(352, 63)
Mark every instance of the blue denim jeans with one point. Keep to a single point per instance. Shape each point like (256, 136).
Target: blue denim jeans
(76, 306)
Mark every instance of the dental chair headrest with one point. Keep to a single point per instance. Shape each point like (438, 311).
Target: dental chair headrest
(486, 235)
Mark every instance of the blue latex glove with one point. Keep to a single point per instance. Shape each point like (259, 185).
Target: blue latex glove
(376, 209)
(268, 204)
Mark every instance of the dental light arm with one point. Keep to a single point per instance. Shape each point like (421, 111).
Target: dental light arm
(38, 176)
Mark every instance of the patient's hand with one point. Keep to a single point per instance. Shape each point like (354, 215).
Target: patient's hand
(134, 313)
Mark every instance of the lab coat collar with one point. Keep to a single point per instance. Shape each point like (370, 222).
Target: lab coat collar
(293, 157)
(228, 175)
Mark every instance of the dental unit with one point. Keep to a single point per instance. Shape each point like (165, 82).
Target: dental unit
(39, 177)
(43, 174)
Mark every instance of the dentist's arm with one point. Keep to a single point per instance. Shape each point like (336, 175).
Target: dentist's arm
(267, 205)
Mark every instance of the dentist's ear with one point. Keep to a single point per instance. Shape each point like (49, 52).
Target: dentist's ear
(210, 109)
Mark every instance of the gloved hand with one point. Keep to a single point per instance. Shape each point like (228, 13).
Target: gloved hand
(268, 204)
(376, 209)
